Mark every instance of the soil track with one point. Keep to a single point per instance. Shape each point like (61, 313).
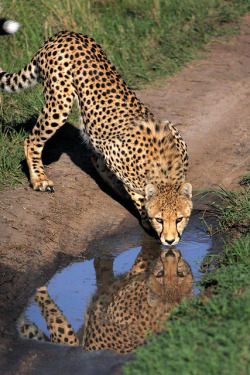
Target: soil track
(207, 101)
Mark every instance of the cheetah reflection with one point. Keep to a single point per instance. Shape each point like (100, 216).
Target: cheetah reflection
(125, 309)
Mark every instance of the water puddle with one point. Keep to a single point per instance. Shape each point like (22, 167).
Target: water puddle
(110, 301)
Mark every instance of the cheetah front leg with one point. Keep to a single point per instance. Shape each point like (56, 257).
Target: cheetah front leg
(108, 176)
(59, 328)
(104, 272)
(139, 202)
(29, 330)
(122, 190)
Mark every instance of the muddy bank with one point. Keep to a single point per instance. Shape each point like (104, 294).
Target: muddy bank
(208, 101)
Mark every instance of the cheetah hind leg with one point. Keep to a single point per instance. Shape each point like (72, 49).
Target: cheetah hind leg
(108, 176)
(47, 124)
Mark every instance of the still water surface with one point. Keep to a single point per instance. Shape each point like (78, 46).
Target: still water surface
(73, 287)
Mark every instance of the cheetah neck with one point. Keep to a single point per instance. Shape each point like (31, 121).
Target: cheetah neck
(164, 178)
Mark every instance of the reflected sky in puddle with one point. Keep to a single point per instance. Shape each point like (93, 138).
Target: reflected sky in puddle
(73, 287)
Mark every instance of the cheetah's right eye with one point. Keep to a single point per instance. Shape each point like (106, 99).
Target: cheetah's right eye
(159, 220)
(160, 274)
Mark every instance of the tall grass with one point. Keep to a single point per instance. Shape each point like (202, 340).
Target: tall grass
(232, 207)
(237, 251)
(11, 152)
(145, 39)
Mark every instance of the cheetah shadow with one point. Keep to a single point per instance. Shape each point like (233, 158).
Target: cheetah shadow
(68, 140)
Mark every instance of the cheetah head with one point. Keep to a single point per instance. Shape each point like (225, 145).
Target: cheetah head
(168, 209)
(170, 280)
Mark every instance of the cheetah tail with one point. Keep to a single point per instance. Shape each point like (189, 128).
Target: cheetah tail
(22, 80)
(8, 26)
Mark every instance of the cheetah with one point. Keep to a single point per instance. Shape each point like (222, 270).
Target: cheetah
(131, 148)
(122, 312)
(8, 26)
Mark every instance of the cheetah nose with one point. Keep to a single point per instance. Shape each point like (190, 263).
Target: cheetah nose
(170, 253)
(169, 242)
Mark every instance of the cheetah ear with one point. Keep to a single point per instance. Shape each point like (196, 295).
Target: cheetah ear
(186, 189)
(150, 191)
(152, 298)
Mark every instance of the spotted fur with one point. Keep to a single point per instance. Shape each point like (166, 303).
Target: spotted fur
(122, 312)
(147, 156)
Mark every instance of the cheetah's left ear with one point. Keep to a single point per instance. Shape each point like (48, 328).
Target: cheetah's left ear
(150, 191)
(186, 189)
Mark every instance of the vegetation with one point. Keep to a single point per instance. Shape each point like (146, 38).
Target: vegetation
(144, 39)
(210, 334)
(233, 207)
(11, 152)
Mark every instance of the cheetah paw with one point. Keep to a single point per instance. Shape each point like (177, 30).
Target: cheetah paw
(46, 185)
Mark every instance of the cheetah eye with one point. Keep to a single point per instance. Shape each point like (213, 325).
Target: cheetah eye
(179, 220)
(159, 220)
(160, 274)
(180, 274)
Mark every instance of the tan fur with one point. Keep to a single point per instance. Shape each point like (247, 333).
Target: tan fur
(122, 312)
(129, 144)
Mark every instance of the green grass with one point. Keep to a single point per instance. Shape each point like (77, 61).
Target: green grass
(237, 251)
(11, 152)
(208, 335)
(144, 39)
(200, 339)
(232, 207)
(245, 180)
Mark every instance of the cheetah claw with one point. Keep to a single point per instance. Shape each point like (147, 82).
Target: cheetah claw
(42, 187)
(50, 189)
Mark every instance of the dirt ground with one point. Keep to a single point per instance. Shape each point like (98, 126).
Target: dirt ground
(208, 102)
